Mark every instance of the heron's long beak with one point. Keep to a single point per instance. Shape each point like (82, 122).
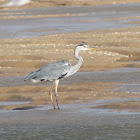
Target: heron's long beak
(93, 48)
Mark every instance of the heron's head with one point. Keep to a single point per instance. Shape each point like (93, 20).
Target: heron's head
(84, 47)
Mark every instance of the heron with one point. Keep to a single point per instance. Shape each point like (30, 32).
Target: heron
(57, 71)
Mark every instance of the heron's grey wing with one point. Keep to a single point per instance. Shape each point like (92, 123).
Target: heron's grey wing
(53, 71)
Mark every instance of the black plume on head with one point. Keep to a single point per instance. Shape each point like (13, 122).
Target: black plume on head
(82, 44)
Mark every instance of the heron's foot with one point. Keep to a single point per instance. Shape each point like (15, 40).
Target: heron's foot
(54, 107)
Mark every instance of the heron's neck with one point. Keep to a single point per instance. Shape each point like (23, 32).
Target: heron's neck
(79, 58)
(76, 67)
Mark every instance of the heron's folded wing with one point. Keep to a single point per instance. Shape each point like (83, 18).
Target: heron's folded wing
(53, 71)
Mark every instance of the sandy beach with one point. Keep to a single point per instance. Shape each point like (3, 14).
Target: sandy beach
(106, 88)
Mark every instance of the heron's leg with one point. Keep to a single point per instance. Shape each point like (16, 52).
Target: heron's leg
(51, 95)
(55, 93)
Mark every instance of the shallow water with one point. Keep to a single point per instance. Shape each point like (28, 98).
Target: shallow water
(73, 121)
(77, 18)
(102, 129)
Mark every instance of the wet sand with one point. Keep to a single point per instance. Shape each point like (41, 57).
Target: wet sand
(102, 101)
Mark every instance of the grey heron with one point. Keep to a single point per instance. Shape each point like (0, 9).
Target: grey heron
(58, 70)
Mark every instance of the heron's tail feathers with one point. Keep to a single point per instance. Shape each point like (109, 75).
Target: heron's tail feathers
(30, 76)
